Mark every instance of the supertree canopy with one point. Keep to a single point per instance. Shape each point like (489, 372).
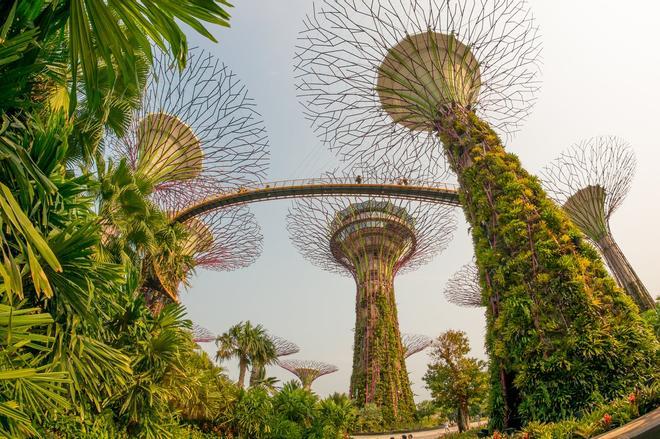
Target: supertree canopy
(414, 343)
(372, 75)
(197, 130)
(463, 287)
(373, 239)
(201, 334)
(413, 80)
(590, 181)
(283, 347)
(307, 371)
(196, 133)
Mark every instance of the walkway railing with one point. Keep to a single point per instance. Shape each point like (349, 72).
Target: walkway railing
(329, 186)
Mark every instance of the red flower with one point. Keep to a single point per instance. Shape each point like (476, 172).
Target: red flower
(607, 419)
(525, 435)
(497, 435)
(631, 398)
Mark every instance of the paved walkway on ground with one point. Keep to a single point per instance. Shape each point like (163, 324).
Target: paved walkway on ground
(428, 434)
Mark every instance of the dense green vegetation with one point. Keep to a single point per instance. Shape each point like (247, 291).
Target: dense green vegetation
(82, 354)
(561, 336)
(90, 348)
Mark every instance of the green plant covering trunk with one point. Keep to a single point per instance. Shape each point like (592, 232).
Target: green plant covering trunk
(561, 334)
(379, 369)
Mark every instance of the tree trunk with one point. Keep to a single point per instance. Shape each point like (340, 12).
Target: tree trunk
(463, 416)
(242, 368)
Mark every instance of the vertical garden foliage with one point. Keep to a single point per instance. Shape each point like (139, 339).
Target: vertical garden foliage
(379, 369)
(560, 334)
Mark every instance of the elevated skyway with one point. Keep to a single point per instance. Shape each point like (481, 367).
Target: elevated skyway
(437, 192)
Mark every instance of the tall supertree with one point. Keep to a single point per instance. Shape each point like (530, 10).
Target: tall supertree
(196, 133)
(590, 181)
(414, 343)
(283, 348)
(307, 371)
(202, 335)
(463, 288)
(415, 80)
(373, 239)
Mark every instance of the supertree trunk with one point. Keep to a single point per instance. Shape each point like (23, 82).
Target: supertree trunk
(624, 273)
(560, 333)
(379, 368)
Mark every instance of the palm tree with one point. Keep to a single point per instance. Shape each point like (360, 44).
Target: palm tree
(250, 344)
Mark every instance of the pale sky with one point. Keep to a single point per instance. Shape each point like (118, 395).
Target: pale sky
(600, 58)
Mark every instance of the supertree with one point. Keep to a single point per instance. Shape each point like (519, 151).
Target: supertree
(373, 239)
(414, 343)
(590, 181)
(307, 371)
(202, 335)
(413, 80)
(196, 133)
(463, 288)
(283, 347)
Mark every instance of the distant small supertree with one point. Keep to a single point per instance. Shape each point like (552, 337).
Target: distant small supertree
(373, 239)
(283, 347)
(463, 287)
(307, 371)
(202, 335)
(590, 181)
(414, 343)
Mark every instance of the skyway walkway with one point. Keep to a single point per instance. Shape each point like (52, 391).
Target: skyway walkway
(437, 192)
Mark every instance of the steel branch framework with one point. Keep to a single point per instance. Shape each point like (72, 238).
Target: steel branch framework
(197, 131)
(414, 343)
(372, 74)
(590, 180)
(463, 287)
(307, 371)
(284, 347)
(202, 335)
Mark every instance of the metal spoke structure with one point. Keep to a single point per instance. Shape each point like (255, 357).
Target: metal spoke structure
(372, 239)
(463, 287)
(414, 343)
(307, 371)
(371, 75)
(197, 133)
(202, 335)
(590, 181)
